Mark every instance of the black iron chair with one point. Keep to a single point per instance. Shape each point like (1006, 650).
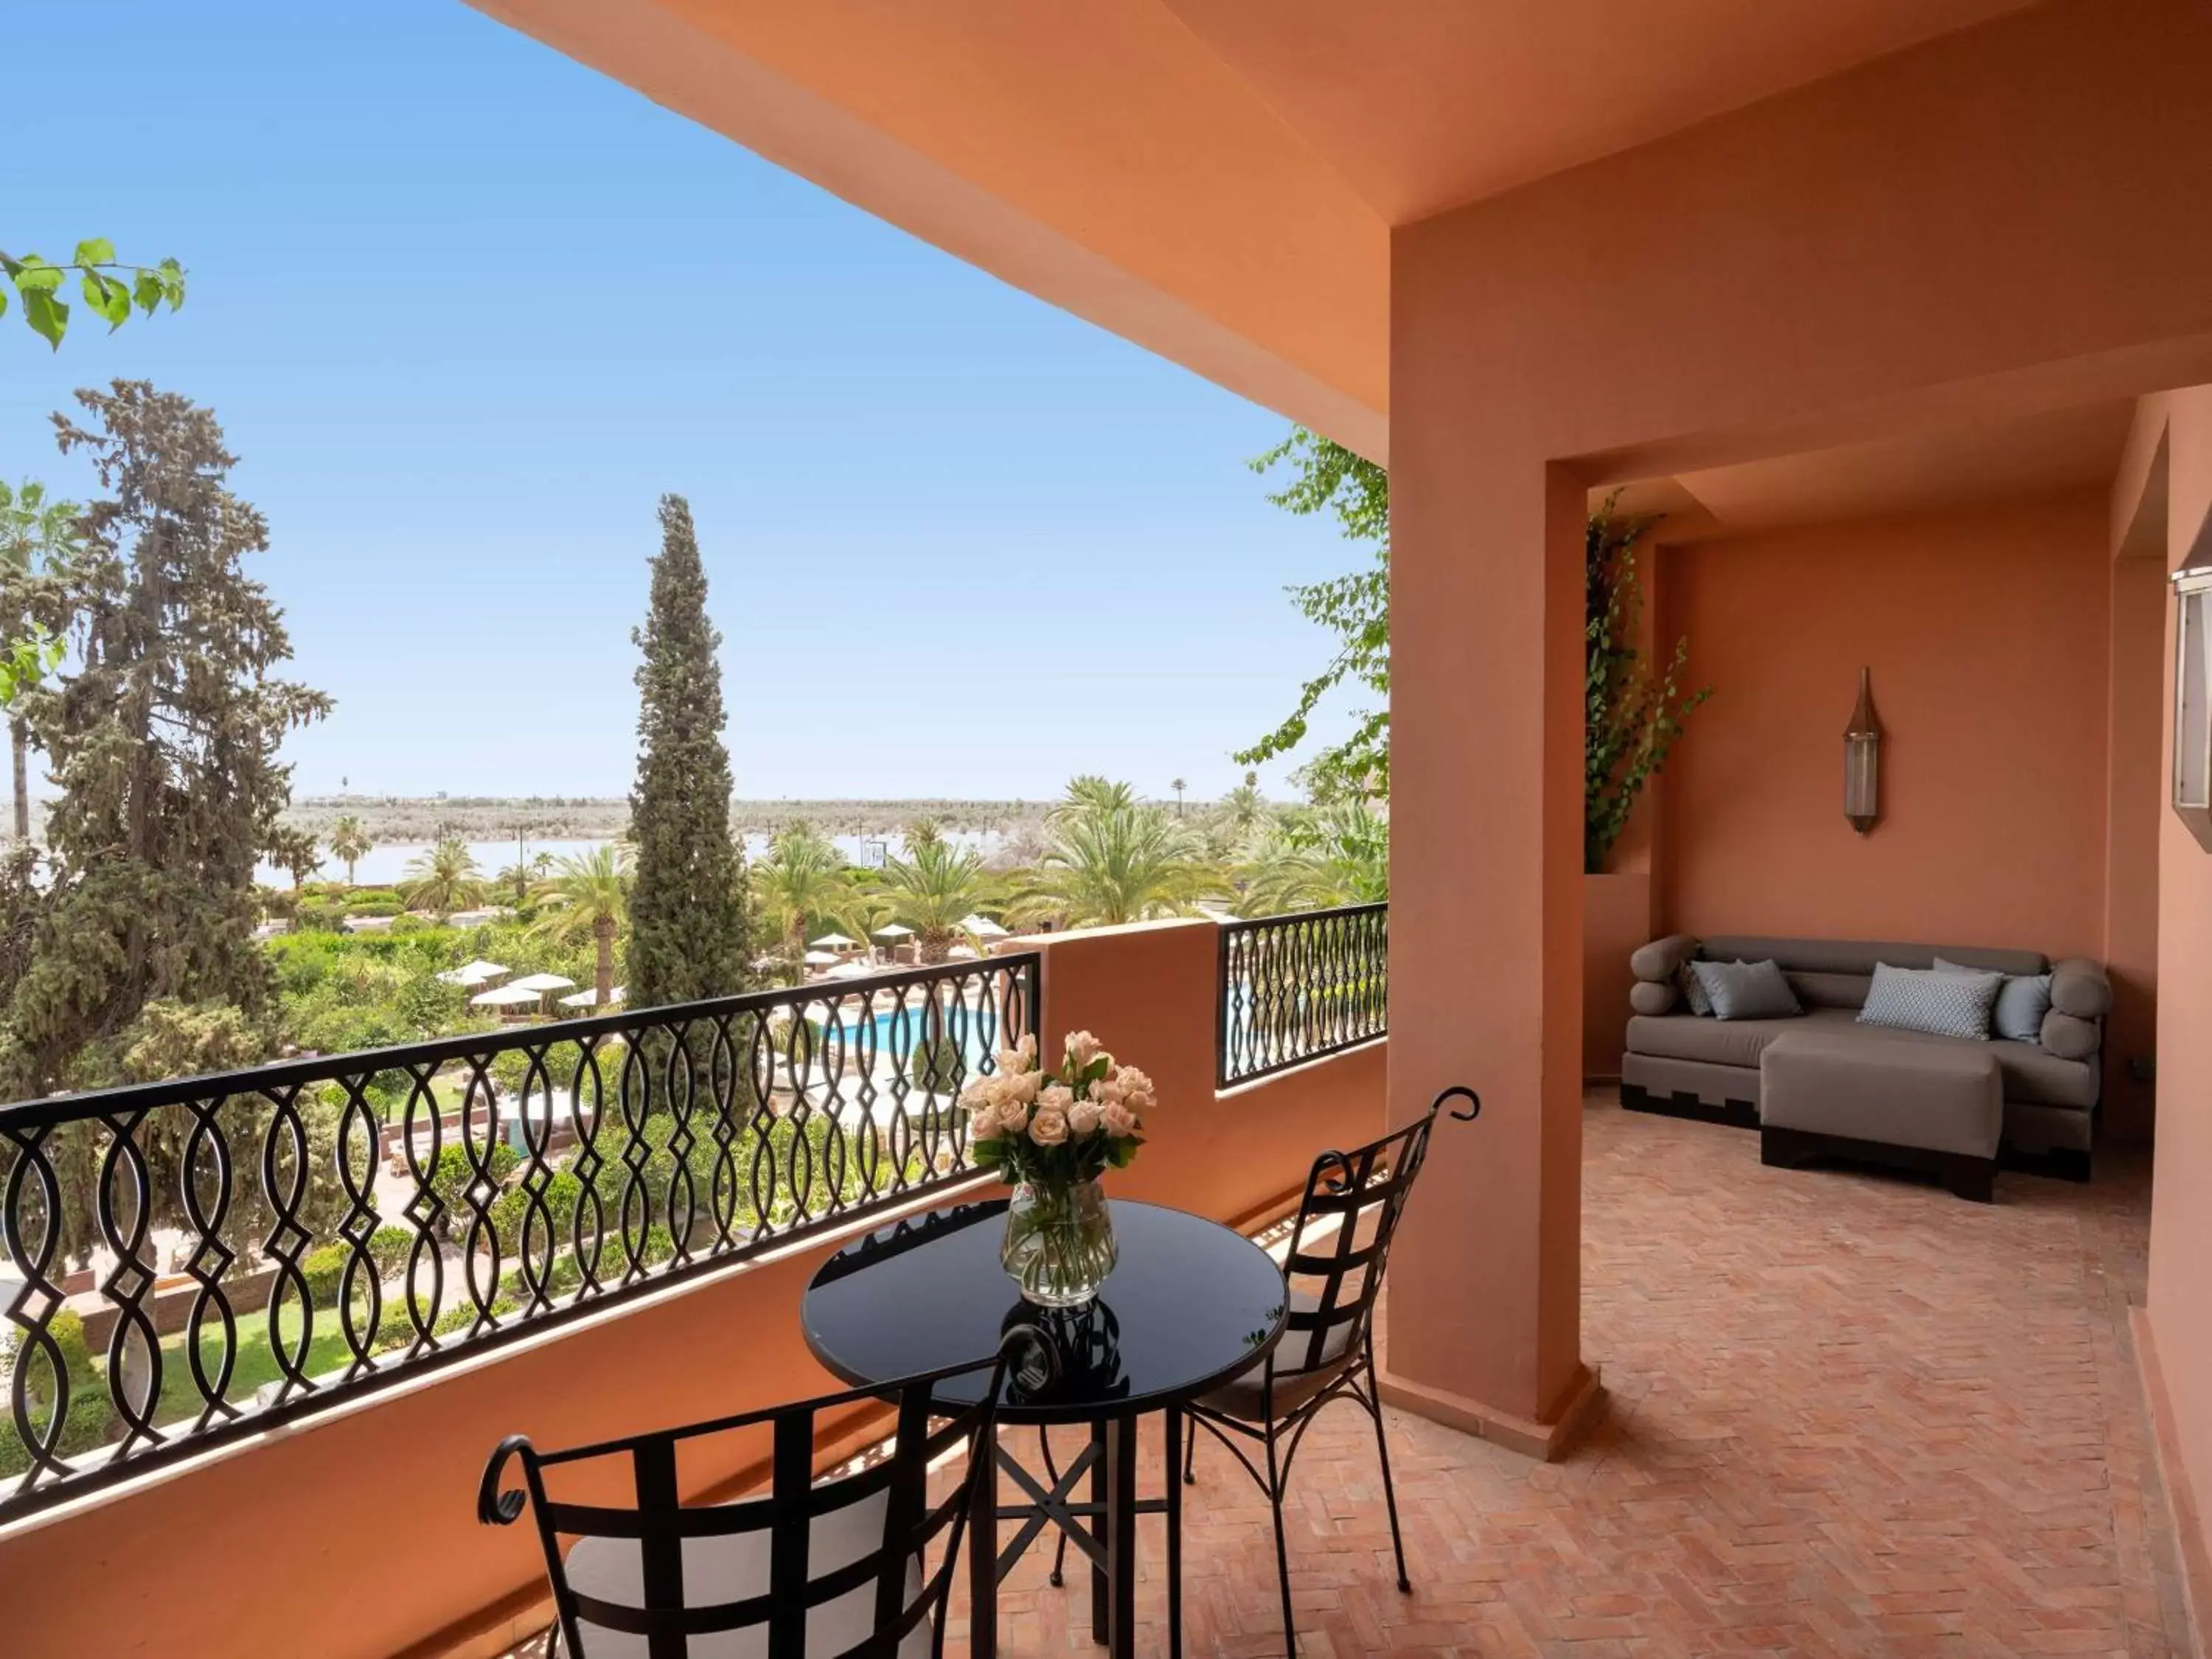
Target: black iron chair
(1327, 1348)
(834, 1570)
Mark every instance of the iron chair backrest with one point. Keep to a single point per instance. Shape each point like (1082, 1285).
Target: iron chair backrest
(1363, 1192)
(660, 1523)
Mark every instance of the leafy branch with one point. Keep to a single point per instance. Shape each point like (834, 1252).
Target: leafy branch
(109, 288)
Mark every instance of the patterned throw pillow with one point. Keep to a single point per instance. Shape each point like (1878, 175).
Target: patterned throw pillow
(1746, 990)
(2022, 1001)
(1955, 1005)
(1694, 992)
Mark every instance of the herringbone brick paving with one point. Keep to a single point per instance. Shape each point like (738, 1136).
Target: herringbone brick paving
(1849, 1414)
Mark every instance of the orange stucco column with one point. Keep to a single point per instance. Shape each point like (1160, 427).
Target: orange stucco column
(1486, 919)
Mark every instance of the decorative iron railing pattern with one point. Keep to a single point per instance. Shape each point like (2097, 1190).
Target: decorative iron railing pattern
(197, 1259)
(1295, 988)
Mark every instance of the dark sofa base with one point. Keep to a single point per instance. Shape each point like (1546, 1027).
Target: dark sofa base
(1735, 1114)
(2059, 1164)
(1967, 1176)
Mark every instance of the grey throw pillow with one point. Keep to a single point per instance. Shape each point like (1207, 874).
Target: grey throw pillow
(1931, 999)
(2022, 1001)
(1746, 990)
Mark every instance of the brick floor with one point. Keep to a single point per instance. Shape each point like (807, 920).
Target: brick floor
(1849, 1415)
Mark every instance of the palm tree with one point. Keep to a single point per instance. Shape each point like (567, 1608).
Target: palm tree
(933, 890)
(1111, 860)
(444, 879)
(588, 894)
(1244, 807)
(803, 881)
(1335, 853)
(1178, 784)
(39, 540)
(350, 843)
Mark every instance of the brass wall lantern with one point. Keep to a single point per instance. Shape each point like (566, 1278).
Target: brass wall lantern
(2192, 701)
(1862, 759)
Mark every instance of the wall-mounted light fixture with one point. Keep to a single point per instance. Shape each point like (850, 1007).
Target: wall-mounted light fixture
(2192, 701)
(1862, 759)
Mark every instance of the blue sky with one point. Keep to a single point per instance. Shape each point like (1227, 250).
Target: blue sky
(465, 309)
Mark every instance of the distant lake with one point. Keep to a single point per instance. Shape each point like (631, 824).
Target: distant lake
(386, 865)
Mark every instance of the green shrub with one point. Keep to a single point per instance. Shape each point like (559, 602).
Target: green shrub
(455, 1176)
(935, 1066)
(511, 1214)
(388, 1247)
(374, 904)
(91, 1419)
(325, 1271)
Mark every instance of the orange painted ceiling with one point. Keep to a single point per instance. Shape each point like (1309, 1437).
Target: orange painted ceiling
(1213, 178)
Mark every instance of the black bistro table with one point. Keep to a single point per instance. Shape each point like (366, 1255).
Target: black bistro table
(1189, 1305)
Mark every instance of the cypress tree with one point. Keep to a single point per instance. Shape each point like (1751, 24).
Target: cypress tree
(687, 906)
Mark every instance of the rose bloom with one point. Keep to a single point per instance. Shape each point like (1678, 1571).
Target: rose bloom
(1131, 1081)
(1027, 1047)
(1057, 1098)
(1013, 1117)
(1011, 1062)
(1083, 1117)
(983, 1123)
(1048, 1127)
(1024, 1087)
(1083, 1048)
(1107, 1089)
(1118, 1120)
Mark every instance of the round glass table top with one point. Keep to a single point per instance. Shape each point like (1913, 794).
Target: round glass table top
(1189, 1305)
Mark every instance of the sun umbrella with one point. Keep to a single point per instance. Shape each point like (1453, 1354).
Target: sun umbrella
(473, 973)
(544, 983)
(833, 942)
(821, 959)
(984, 927)
(894, 930)
(507, 996)
(590, 999)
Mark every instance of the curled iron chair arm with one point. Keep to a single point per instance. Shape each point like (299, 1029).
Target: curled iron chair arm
(495, 1507)
(1460, 1091)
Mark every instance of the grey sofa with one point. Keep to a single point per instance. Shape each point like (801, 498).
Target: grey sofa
(1693, 1066)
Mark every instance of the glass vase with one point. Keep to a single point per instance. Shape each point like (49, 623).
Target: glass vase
(1060, 1242)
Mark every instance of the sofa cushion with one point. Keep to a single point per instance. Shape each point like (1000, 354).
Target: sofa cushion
(1845, 956)
(1946, 1098)
(2030, 1074)
(1746, 990)
(1955, 1004)
(2022, 1001)
(1646, 997)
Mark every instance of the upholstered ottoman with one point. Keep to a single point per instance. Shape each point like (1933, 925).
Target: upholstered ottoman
(1932, 1106)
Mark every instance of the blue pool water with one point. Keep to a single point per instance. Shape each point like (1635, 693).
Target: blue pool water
(897, 1036)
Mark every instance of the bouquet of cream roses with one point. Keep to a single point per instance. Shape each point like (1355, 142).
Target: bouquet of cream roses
(1051, 1129)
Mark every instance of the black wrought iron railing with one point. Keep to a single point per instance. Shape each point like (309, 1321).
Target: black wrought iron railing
(198, 1259)
(1295, 988)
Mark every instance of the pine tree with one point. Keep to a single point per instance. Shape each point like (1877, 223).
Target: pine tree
(164, 744)
(687, 906)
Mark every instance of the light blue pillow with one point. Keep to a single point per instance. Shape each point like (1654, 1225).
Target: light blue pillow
(2022, 1001)
(1746, 990)
(1943, 1003)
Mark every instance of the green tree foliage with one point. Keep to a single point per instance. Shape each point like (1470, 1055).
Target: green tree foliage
(1337, 851)
(1634, 717)
(1324, 477)
(688, 904)
(932, 889)
(445, 879)
(39, 545)
(165, 746)
(587, 896)
(1112, 859)
(349, 844)
(109, 288)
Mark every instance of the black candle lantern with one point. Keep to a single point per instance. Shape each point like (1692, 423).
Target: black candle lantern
(1862, 760)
